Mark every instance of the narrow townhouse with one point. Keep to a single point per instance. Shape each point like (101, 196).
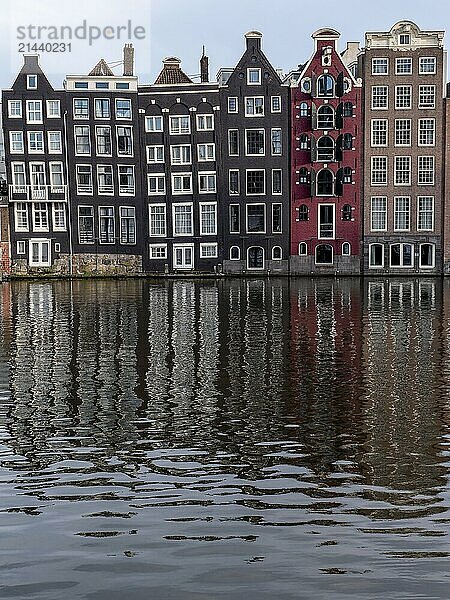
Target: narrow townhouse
(179, 155)
(254, 175)
(326, 132)
(404, 73)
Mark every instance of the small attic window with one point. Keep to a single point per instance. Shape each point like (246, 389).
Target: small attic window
(81, 85)
(32, 82)
(101, 85)
(404, 39)
(120, 85)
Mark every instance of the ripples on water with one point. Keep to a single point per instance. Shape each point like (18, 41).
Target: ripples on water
(225, 440)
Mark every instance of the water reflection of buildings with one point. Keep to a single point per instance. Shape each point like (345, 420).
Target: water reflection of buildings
(230, 365)
(404, 399)
(326, 371)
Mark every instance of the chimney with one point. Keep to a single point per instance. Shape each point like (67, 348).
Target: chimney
(31, 61)
(128, 59)
(253, 39)
(204, 68)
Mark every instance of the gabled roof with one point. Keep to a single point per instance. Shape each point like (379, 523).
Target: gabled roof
(101, 69)
(172, 73)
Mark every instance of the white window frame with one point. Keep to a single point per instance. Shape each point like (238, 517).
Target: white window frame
(158, 154)
(56, 188)
(256, 70)
(108, 192)
(204, 245)
(41, 243)
(181, 161)
(421, 130)
(239, 253)
(129, 190)
(254, 114)
(29, 112)
(207, 174)
(263, 193)
(229, 142)
(382, 60)
(182, 191)
(158, 176)
(281, 182)
(20, 140)
(273, 129)
(421, 71)
(183, 248)
(21, 247)
(75, 140)
(80, 117)
(382, 131)
(160, 247)
(49, 142)
(206, 145)
(108, 216)
(278, 99)
(119, 153)
(385, 88)
(422, 212)
(331, 237)
(403, 60)
(260, 129)
(383, 170)
(236, 100)
(63, 211)
(430, 91)
(398, 96)
(24, 212)
(18, 103)
(398, 212)
(422, 170)
(378, 212)
(35, 212)
(203, 119)
(164, 213)
(102, 118)
(246, 218)
(399, 131)
(401, 265)
(201, 205)
(35, 133)
(179, 130)
(153, 118)
(371, 266)
(48, 110)
(30, 78)
(127, 218)
(432, 266)
(92, 219)
(398, 171)
(116, 100)
(85, 193)
(176, 205)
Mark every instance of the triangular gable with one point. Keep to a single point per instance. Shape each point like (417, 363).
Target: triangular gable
(101, 69)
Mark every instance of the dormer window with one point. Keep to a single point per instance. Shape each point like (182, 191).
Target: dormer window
(404, 39)
(254, 76)
(31, 82)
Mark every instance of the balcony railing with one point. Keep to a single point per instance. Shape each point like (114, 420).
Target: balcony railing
(38, 193)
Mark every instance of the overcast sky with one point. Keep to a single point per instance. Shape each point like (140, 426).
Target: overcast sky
(181, 27)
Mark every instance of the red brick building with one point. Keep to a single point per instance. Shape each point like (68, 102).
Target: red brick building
(326, 163)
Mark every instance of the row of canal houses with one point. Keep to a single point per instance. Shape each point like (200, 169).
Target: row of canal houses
(337, 167)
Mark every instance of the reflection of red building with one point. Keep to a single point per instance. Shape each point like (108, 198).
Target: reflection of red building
(326, 164)
(4, 237)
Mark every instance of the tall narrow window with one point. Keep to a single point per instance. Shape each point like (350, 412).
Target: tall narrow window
(401, 213)
(157, 216)
(127, 225)
(107, 228)
(86, 224)
(378, 213)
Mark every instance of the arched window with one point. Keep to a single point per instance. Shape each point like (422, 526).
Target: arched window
(255, 257)
(348, 109)
(325, 86)
(346, 249)
(347, 141)
(324, 254)
(277, 253)
(304, 112)
(376, 255)
(346, 212)
(303, 175)
(304, 142)
(303, 213)
(302, 249)
(325, 117)
(235, 253)
(325, 183)
(347, 175)
(325, 149)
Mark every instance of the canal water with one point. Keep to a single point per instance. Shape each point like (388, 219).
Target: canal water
(225, 440)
